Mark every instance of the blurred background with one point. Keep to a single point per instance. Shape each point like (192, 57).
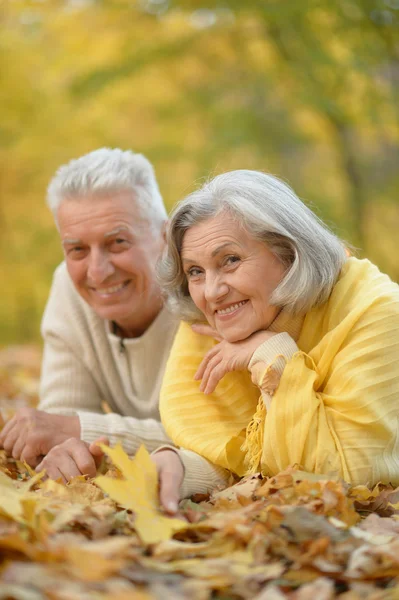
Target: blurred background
(305, 89)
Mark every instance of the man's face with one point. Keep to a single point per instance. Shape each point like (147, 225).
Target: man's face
(111, 252)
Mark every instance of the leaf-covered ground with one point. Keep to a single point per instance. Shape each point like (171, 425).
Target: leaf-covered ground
(294, 536)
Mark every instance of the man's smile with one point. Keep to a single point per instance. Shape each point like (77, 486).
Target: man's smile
(110, 290)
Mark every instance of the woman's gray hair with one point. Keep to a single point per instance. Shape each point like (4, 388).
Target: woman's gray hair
(269, 210)
(106, 171)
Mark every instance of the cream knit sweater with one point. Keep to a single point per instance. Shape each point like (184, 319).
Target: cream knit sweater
(85, 364)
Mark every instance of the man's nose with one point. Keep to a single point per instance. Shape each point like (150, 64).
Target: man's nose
(215, 289)
(100, 267)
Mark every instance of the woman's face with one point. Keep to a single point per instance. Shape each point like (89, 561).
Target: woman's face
(230, 276)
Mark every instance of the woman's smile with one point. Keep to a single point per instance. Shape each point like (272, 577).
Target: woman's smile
(230, 310)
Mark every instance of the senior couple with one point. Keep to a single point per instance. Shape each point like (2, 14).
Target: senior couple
(242, 323)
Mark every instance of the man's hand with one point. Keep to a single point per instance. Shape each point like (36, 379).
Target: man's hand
(170, 477)
(32, 433)
(226, 356)
(72, 458)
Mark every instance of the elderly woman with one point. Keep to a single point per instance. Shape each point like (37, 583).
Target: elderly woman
(301, 361)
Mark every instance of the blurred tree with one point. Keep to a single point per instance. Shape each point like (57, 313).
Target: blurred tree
(308, 91)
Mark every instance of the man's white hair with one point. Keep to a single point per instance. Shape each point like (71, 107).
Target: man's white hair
(271, 212)
(105, 171)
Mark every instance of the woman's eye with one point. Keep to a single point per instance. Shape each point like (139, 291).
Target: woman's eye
(232, 259)
(193, 272)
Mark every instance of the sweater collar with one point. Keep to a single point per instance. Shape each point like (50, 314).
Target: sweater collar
(157, 327)
(285, 322)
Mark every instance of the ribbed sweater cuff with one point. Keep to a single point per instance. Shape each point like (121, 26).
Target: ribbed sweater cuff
(92, 426)
(200, 476)
(277, 350)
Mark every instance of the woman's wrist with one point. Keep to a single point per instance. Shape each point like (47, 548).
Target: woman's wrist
(276, 345)
(269, 359)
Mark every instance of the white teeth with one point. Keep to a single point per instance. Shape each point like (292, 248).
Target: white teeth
(110, 290)
(232, 308)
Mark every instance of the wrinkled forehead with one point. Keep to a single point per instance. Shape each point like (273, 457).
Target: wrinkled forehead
(212, 233)
(224, 222)
(117, 208)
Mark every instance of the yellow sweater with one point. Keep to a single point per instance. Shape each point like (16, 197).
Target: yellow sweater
(336, 405)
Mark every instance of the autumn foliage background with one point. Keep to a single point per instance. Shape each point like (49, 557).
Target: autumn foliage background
(305, 90)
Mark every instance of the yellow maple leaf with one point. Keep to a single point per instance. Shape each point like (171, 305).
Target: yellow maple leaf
(139, 493)
(13, 493)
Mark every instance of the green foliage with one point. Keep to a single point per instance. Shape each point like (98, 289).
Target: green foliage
(306, 90)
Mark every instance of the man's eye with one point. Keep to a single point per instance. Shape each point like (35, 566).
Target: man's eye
(76, 252)
(118, 244)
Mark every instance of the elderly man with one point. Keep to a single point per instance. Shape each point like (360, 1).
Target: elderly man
(106, 333)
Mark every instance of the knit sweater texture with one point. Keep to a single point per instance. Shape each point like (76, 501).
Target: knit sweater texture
(331, 403)
(85, 365)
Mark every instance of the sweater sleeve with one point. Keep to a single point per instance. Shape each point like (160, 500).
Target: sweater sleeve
(128, 431)
(200, 475)
(66, 384)
(344, 420)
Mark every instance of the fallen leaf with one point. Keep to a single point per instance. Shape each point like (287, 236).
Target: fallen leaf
(12, 493)
(138, 491)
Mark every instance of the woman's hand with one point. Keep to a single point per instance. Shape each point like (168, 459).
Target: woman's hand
(170, 477)
(226, 356)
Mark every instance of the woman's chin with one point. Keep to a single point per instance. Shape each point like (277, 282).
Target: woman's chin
(235, 336)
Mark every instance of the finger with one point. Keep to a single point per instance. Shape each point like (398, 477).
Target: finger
(19, 446)
(10, 439)
(169, 493)
(96, 451)
(213, 363)
(68, 467)
(94, 447)
(52, 472)
(83, 459)
(40, 467)
(203, 329)
(6, 430)
(215, 376)
(216, 360)
(205, 361)
(31, 455)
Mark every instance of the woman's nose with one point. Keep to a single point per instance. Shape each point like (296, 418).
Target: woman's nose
(215, 289)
